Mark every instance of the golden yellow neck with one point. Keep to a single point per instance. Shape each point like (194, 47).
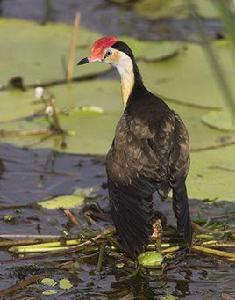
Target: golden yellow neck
(125, 69)
(127, 83)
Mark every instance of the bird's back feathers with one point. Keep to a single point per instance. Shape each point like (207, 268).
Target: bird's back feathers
(148, 153)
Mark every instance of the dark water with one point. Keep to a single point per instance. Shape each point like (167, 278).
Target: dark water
(107, 18)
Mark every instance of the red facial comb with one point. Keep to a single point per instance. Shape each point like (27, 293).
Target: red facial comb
(101, 44)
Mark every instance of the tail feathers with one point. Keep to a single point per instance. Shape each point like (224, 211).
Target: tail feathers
(132, 217)
(181, 209)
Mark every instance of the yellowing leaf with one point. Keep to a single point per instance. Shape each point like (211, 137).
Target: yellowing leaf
(48, 281)
(66, 201)
(65, 284)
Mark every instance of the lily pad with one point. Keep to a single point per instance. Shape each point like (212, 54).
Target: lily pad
(219, 120)
(48, 281)
(150, 50)
(16, 104)
(65, 284)
(36, 52)
(188, 78)
(151, 259)
(39, 54)
(66, 201)
(155, 9)
(212, 174)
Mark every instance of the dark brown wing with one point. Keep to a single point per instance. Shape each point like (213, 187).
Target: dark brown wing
(137, 166)
(178, 171)
(132, 216)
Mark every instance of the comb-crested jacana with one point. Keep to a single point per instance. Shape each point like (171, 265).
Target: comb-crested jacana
(149, 153)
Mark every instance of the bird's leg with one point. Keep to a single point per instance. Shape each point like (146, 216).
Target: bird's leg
(159, 215)
(181, 209)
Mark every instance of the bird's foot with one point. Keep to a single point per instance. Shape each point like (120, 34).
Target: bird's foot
(182, 251)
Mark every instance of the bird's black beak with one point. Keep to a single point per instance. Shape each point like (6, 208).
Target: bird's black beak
(83, 61)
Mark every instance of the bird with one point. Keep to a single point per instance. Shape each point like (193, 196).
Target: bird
(149, 153)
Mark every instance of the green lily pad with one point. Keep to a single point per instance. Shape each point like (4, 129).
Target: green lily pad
(155, 9)
(39, 54)
(36, 52)
(16, 104)
(105, 94)
(212, 174)
(219, 120)
(48, 281)
(188, 78)
(66, 201)
(201, 136)
(149, 50)
(65, 284)
(151, 259)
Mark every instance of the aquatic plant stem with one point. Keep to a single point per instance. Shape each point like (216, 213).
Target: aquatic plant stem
(30, 236)
(72, 48)
(214, 252)
(101, 257)
(71, 217)
(225, 10)
(48, 9)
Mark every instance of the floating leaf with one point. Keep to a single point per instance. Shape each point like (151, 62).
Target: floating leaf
(150, 50)
(188, 78)
(150, 259)
(174, 9)
(16, 104)
(218, 120)
(65, 201)
(212, 174)
(49, 292)
(65, 284)
(39, 54)
(48, 281)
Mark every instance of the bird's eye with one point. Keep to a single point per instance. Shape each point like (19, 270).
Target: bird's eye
(108, 53)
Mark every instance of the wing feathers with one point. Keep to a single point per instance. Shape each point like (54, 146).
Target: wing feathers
(132, 217)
